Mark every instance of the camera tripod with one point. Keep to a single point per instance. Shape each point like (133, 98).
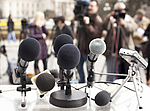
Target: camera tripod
(132, 74)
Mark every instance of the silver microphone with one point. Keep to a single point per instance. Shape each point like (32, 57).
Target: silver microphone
(22, 66)
(97, 46)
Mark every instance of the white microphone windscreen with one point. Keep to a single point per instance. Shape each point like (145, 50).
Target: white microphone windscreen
(97, 46)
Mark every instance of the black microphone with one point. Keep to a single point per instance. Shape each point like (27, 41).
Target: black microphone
(102, 98)
(61, 40)
(28, 51)
(97, 46)
(44, 82)
(68, 56)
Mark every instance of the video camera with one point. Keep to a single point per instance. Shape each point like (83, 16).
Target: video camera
(118, 14)
(80, 9)
(56, 19)
(24, 23)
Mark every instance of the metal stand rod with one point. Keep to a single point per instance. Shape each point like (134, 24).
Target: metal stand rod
(136, 91)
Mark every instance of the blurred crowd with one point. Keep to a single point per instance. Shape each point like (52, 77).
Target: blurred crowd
(117, 29)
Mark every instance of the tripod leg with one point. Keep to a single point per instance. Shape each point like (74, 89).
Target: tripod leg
(137, 94)
(127, 78)
(23, 104)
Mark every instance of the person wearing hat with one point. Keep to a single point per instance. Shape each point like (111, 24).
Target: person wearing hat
(138, 36)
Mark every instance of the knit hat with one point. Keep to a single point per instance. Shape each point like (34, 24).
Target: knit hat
(140, 11)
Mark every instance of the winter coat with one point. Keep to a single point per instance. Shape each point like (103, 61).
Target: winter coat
(125, 37)
(10, 25)
(36, 32)
(88, 32)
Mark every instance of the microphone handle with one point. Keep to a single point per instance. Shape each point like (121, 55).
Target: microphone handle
(22, 66)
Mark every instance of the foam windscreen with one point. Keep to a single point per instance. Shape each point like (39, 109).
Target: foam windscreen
(29, 49)
(102, 98)
(45, 82)
(97, 46)
(61, 40)
(68, 56)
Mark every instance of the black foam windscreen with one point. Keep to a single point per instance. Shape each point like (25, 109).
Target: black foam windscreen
(61, 40)
(102, 98)
(45, 82)
(68, 56)
(29, 49)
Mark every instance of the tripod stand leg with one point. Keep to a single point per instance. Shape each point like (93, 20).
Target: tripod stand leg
(136, 90)
(127, 78)
(23, 104)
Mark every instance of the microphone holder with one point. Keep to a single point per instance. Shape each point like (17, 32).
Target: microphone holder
(23, 89)
(68, 98)
(132, 71)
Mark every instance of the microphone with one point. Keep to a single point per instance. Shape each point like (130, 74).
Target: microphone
(58, 42)
(44, 82)
(68, 58)
(104, 97)
(28, 51)
(97, 46)
(61, 40)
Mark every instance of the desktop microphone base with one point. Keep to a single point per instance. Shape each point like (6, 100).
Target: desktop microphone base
(60, 99)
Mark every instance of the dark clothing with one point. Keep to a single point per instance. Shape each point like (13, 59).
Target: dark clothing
(147, 33)
(36, 32)
(44, 64)
(10, 25)
(88, 32)
(65, 30)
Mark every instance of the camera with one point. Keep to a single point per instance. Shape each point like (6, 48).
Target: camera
(56, 19)
(118, 14)
(24, 23)
(80, 10)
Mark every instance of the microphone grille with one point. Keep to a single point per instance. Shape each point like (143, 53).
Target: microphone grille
(29, 49)
(45, 82)
(97, 46)
(68, 56)
(61, 40)
(102, 98)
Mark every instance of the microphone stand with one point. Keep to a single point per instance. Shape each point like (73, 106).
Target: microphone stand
(61, 82)
(23, 88)
(68, 98)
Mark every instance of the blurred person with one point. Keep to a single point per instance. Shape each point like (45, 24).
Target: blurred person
(120, 27)
(62, 28)
(38, 31)
(139, 39)
(25, 28)
(92, 28)
(11, 32)
(147, 33)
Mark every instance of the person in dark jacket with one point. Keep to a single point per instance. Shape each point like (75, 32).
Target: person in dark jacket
(62, 28)
(91, 29)
(38, 31)
(147, 33)
(11, 33)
